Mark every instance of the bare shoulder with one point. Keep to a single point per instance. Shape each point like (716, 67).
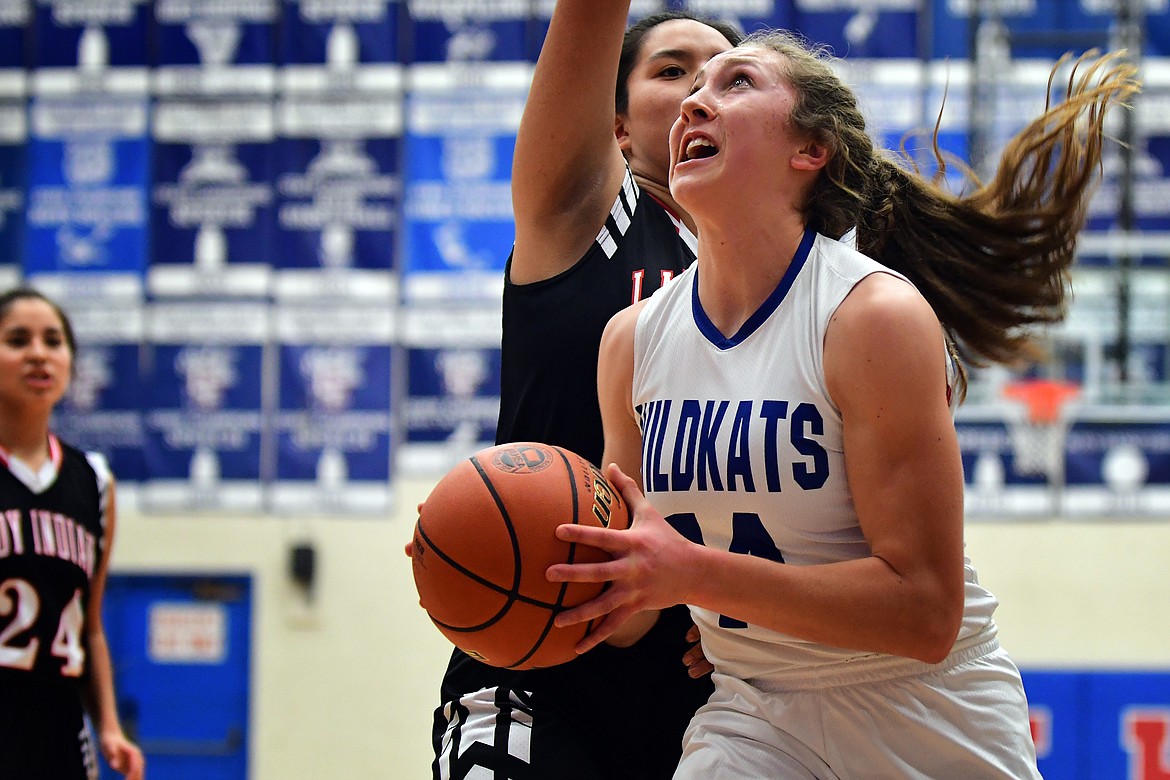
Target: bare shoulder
(621, 326)
(881, 306)
(616, 354)
(884, 340)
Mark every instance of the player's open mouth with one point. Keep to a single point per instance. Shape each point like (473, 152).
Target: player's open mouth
(699, 148)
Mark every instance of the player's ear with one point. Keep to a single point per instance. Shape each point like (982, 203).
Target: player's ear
(812, 156)
(621, 132)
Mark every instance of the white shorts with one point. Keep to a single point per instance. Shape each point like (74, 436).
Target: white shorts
(963, 721)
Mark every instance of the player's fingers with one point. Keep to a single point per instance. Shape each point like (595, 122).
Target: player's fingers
(137, 768)
(581, 572)
(693, 656)
(602, 538)
(626, 486)
(604, 630)
(593, 609)
(630, 492)
(693, 634)
(700, 669)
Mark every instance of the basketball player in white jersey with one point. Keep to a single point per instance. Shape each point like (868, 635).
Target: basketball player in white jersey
(786, 406)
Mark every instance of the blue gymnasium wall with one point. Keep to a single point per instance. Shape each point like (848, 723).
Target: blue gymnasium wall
(1100, 725)
(281, 226)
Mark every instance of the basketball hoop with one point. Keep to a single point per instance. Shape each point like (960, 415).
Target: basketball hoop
(1038, 435)
(1044, 398)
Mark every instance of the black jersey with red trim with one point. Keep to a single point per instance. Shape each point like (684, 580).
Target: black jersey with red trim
(629, 705)
(51, 544)
(552, 328)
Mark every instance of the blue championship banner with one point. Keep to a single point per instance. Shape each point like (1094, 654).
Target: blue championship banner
(214, 48)
(881, 28)
(15, 17)
(463, 31)
(88, 148)
(90, 45)
(204, 428)
(458, 227)
(338, 193)
(339, 118)
(103, 409)
(341, 44)
(86, 220)
(13, 141)
(212, 201)
(333, 426)
(453, 384)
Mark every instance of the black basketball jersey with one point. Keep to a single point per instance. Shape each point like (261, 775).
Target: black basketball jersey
(51, 544)
(634, 701)
(552, 328)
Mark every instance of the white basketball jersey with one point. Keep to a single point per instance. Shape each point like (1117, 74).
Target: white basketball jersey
(742, 446)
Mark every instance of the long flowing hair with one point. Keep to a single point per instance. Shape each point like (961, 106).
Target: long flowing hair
(993, 261)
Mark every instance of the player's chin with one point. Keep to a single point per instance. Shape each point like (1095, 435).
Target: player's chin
(688, 185)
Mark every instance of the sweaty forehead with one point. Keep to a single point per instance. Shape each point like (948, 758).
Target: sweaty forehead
(758, 57)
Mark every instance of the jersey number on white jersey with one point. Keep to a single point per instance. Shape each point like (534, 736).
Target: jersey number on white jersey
(748, 537)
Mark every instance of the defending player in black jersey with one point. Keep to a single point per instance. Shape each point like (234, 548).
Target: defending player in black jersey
(56, 530)
(596, 229)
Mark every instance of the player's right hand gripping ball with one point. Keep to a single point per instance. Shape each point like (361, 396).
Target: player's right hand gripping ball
(484, 539)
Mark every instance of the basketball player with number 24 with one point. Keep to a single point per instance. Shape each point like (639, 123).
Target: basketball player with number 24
(56, 531)
(786, 403)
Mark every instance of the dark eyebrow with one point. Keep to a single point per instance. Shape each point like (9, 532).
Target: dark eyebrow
(24, 329)
(669, 54)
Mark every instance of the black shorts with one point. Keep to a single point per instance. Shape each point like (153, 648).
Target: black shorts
(612, 714)
(45, 735)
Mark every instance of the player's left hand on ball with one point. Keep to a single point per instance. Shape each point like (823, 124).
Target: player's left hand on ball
(649, 570)
(410, 545)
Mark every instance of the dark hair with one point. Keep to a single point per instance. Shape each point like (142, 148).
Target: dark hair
(992, 262)
(7, 299)
(635, 36)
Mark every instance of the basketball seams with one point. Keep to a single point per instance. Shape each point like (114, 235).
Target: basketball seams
(564, 589)
(513, 612)
(517, 562)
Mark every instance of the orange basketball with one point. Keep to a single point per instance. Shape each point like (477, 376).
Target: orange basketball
(485, 537)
